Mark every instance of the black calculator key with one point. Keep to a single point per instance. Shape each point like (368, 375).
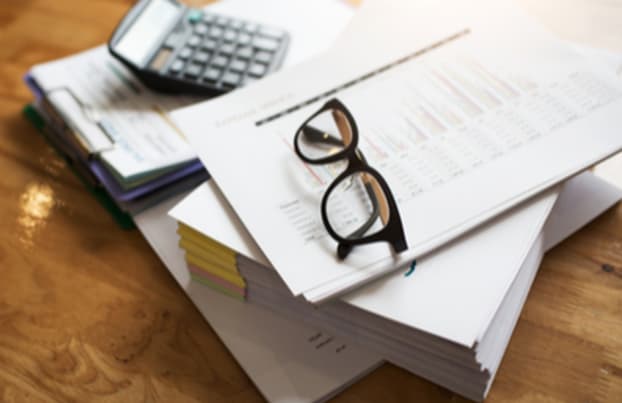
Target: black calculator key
(263, 57)
(193, 70)
(220, 61)
(227, 48)
(209, 44)
(194, 41)
(231, 79)
(265, 43)
(230, 35)
(200, 29)
(185, 53)
(257, 69)
(271, 32)
(201, 57)
(177, 66)
(245, 52)
(244, 39)
(215, 32)
(238, 65)
(212, 74)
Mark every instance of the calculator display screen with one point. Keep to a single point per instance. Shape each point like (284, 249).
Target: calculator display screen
(146, 30)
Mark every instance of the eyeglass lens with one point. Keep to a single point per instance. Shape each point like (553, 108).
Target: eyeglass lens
(357, 207)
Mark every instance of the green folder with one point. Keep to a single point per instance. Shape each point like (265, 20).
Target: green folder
(123, 219)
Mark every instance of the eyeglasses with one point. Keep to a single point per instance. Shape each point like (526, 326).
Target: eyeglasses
(357, 207)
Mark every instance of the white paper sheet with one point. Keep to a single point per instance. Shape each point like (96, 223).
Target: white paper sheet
(445, 185)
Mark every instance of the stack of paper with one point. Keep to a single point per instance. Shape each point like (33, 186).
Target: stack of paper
(279, 355)
(465, 121)
(449, 320)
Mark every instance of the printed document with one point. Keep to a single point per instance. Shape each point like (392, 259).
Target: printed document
(464, 118)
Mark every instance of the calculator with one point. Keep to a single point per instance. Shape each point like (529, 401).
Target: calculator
(177, 49)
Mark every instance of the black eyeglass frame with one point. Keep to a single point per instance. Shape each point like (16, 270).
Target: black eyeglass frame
(393, 231)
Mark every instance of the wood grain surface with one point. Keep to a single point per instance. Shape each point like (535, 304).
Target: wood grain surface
(89, 314)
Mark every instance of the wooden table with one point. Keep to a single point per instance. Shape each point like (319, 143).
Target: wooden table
(88, 312)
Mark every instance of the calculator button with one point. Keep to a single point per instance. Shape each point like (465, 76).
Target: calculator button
(245, 52)
(222, 20)
(201, 57)
(230, 35)
(208, 18)
(185, 53)
(271, 32)
(244, 39)
(257, 69)
(263, 57)
(194, 41)
(212, 74)
(236, 24)
(230, 78)
(227, 48)
(220, 61)
(200, 29)
(193, 70)
(209, 44)
(238, 65)
(177, 66)
(265, 43)
(215, 32)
